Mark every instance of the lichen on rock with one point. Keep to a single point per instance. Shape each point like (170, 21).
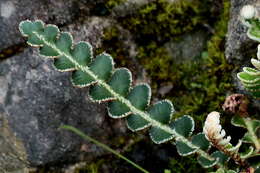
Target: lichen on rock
(13, 157)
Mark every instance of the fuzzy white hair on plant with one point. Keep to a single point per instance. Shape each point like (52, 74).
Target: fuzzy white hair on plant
(213, 130)
(248, 12)
(258, 51)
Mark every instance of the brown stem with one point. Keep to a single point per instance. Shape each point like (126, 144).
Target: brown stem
(235, 156)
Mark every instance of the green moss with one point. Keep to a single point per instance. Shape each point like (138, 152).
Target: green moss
(200, 85)
(186, 164)
(112, 3)
(113, 36)
(92, 167)
(161, 21)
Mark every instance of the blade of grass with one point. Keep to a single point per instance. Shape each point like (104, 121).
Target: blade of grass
(86, 137)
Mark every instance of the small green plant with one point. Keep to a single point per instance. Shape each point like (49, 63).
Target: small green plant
(105, 147)
(114, 85)
(250, 77)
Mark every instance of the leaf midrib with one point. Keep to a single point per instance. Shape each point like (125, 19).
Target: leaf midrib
(125, 101)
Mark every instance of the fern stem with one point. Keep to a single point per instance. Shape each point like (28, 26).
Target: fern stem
(86, 137)
(134, 110)
(249, 126)
(234, 155)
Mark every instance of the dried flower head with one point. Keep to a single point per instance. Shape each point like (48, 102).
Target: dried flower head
(216, 135)
(214, 132)
(248, 12)
(248, 170)
(236, 104)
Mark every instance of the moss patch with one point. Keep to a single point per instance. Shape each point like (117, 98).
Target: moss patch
(186, 164)
(93, 167)
(113, 41)
(112, 3)
(162, 21)
(199, 86)
(206, 82)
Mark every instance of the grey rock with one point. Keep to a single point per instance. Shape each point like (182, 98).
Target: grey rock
(165, 89)
(12, 151)
(188, 47)
(12, 12)
(91, 30)
(238, 45)
(36, 100)
(39, 100)
(129, 7)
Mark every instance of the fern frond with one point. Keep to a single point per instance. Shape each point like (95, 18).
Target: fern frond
(250, 77)
(108, 84)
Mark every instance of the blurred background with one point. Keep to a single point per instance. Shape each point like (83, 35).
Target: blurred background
(187, 50)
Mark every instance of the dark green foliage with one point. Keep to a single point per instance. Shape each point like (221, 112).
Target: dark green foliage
(117, 109)
(103, 66)
(121, 81)
(83, 53)
(238, 121)
(201, 141)
(183, 149)
(63, 64)
(161, 111)
(140, 125)
(81, 79)
(159, 136)
(140, 96)
(183, 125)
(205, 162)
(247, 138)
(28, 27)
(250, 76)
(222, 157)
(99, 93)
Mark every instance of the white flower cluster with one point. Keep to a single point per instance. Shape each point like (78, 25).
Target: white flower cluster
(248, 12)
(213, 130)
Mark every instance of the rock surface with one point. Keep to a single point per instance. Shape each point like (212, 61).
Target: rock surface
(13, 11)
(238, 45)
(12, 151)
(38, 100)
(35, 99)
(188, 47)
(129, 7)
